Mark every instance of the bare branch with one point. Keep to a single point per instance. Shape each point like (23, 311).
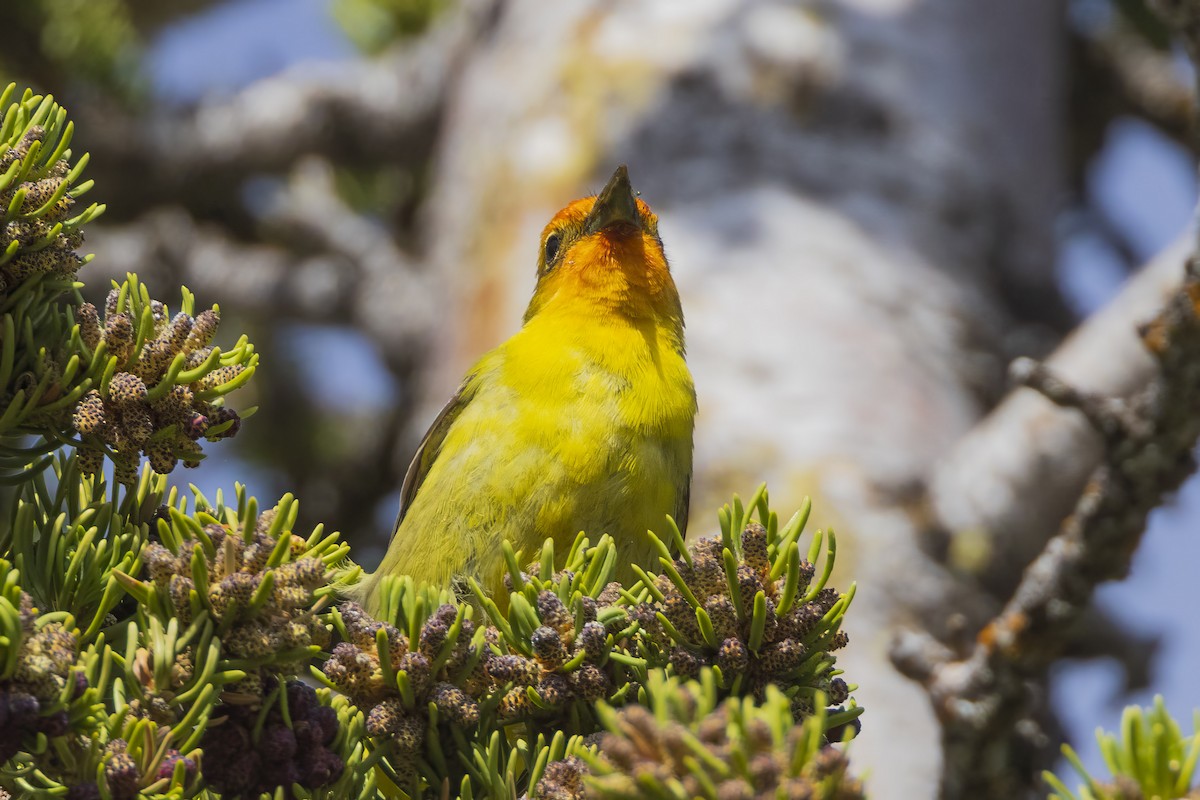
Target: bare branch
(1014, 476)
(371, 112)
(988, 702)
(1125, 74)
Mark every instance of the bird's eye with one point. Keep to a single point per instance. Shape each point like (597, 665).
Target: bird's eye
(552, 243)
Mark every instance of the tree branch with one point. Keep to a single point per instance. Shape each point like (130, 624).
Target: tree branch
(1011, 480)
(369, 112)
(1118, 72)
(988, 702)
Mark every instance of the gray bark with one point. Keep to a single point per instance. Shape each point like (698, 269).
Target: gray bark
(857, 198)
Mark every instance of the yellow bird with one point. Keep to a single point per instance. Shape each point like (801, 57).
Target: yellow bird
(582, 420)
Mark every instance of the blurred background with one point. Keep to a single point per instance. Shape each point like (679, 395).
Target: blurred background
(871, 207)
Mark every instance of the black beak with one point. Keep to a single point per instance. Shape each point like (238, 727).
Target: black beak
(615, 205)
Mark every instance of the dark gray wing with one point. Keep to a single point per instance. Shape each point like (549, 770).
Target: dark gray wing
(430, 447)
(683, 497)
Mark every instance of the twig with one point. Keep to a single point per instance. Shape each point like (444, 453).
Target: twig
(1013, 477)
(988, 702)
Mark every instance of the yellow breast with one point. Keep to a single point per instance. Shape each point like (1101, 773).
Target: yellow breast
(570, 427)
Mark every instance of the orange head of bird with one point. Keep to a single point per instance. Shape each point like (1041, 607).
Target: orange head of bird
(602, 255)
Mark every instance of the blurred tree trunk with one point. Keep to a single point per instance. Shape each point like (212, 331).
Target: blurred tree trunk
(857, 198)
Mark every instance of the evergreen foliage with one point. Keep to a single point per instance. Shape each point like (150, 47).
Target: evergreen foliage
(156, 643)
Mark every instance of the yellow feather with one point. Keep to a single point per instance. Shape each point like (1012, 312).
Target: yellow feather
(581, 421)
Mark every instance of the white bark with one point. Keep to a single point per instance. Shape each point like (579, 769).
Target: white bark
(855, 197)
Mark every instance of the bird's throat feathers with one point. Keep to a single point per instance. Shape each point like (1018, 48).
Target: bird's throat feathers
(618, 272)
